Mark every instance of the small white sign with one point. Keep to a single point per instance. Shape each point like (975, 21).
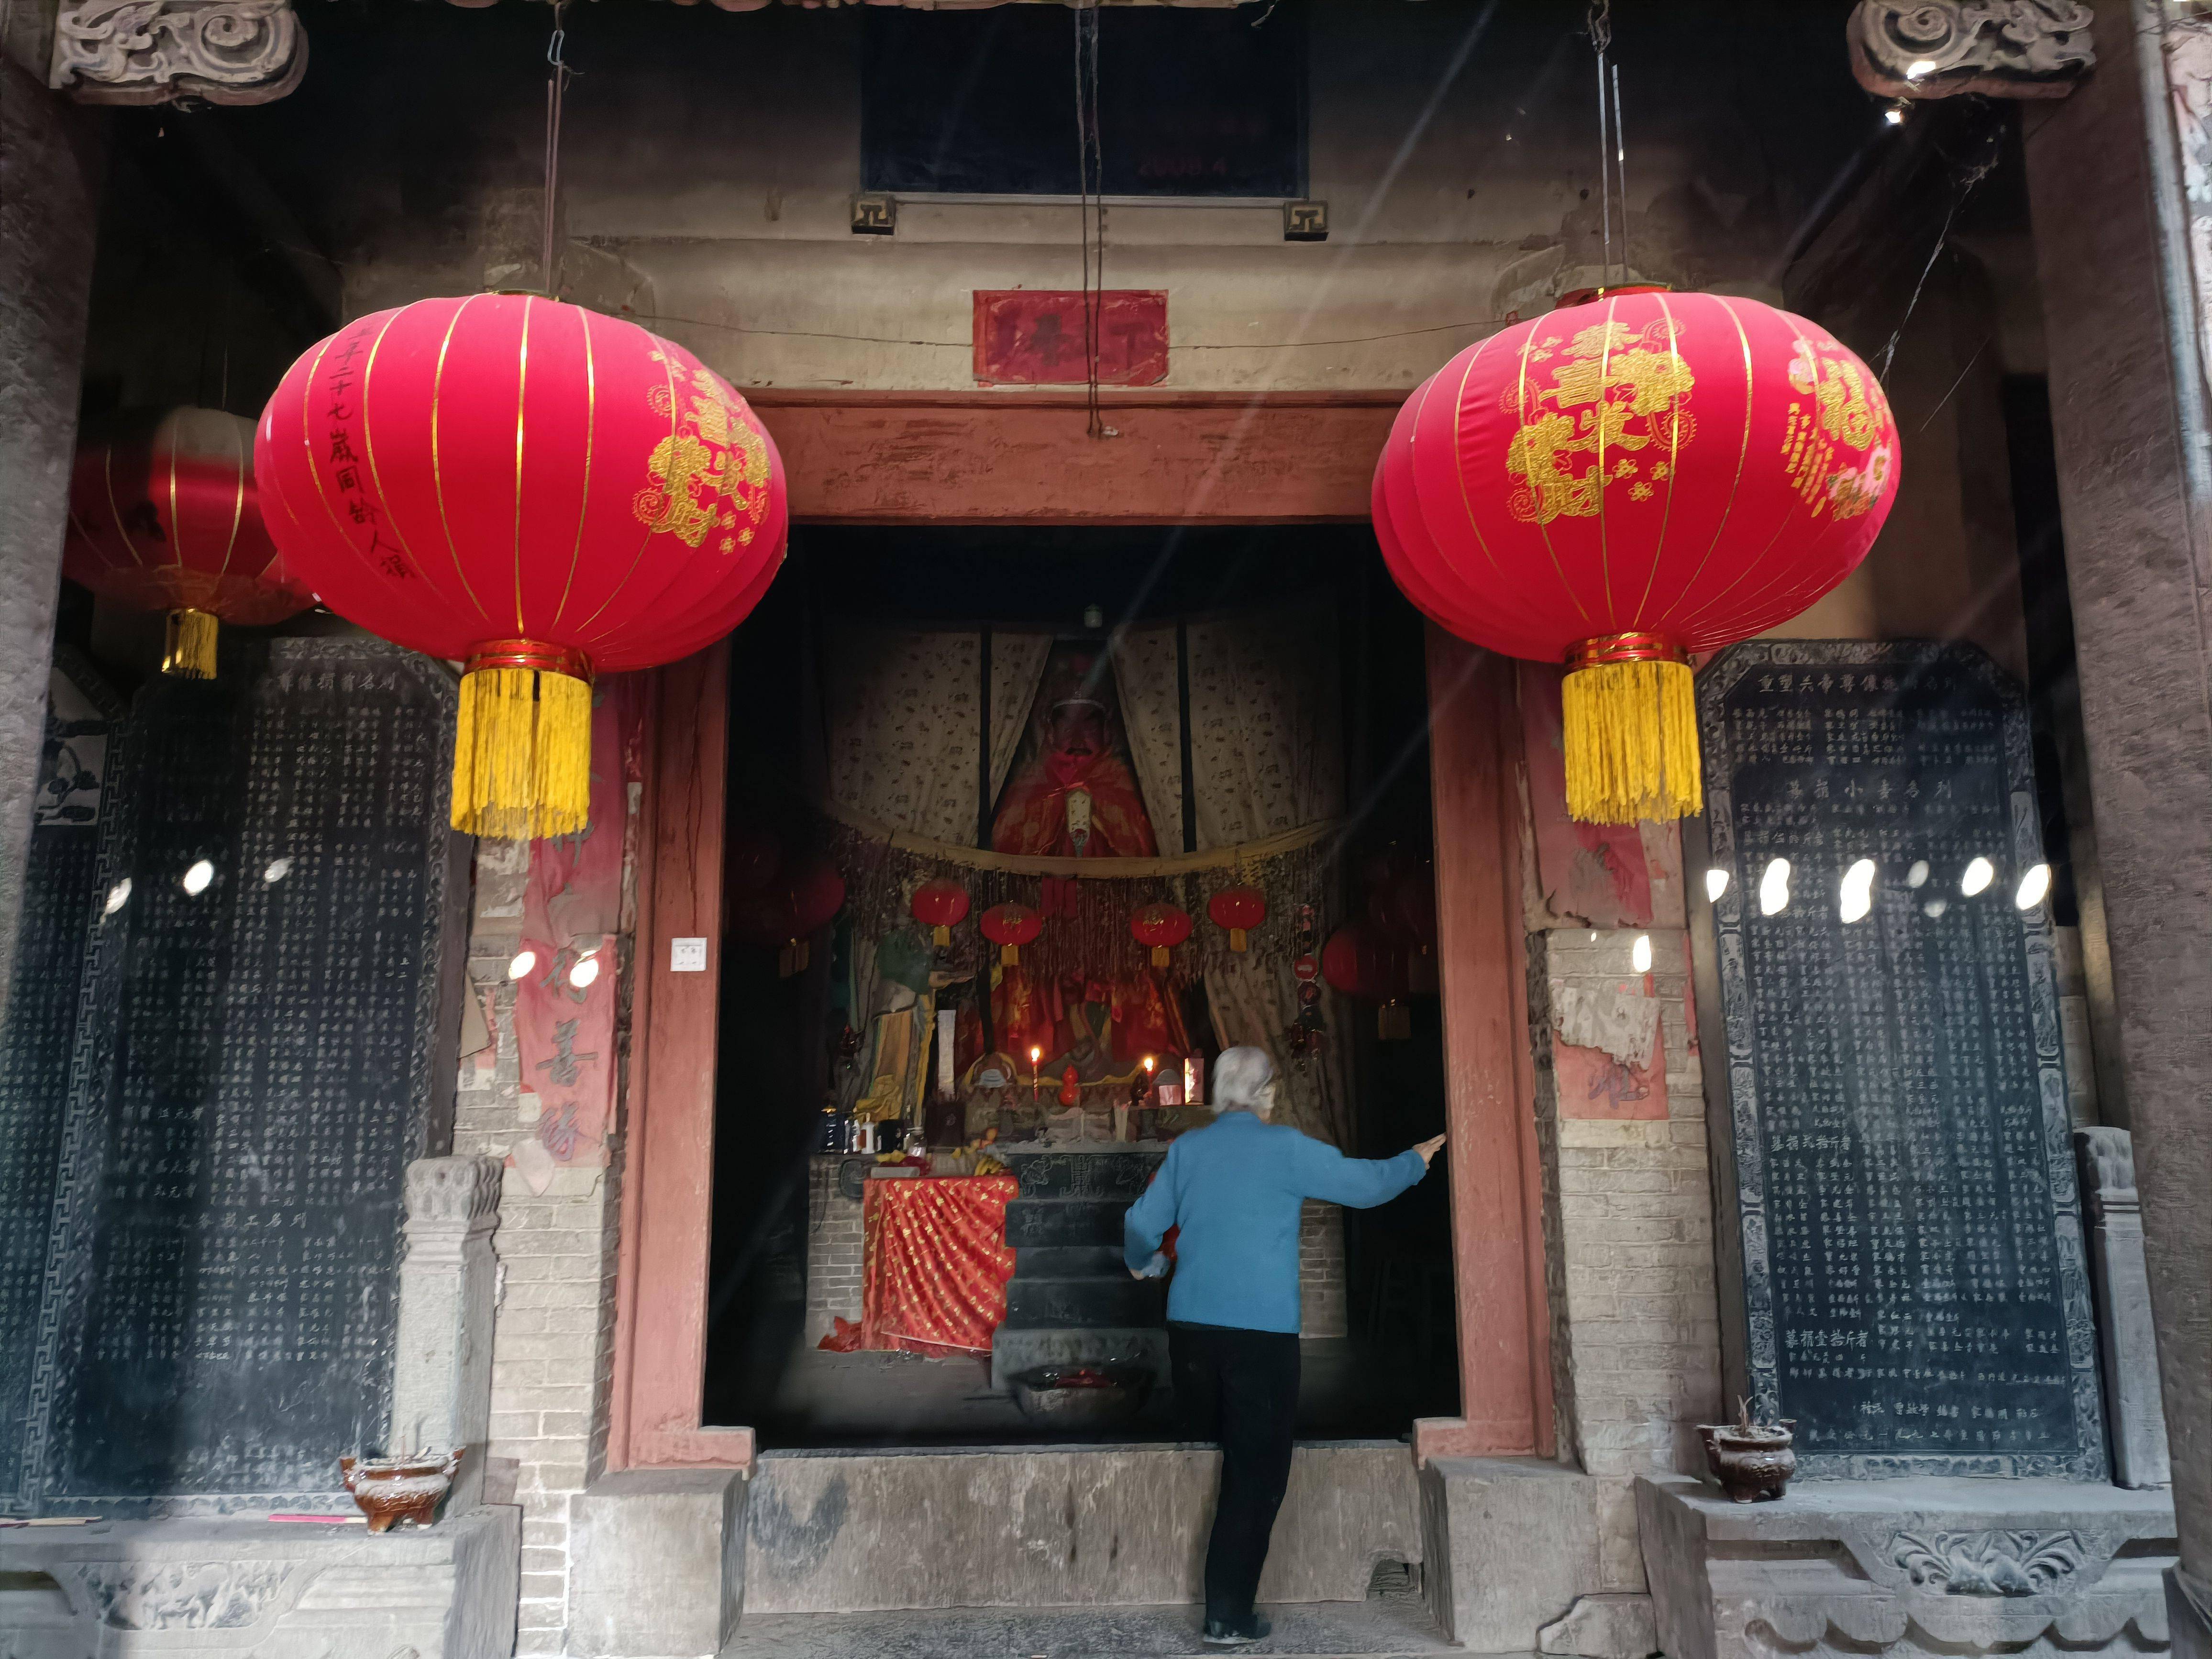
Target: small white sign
(687, 956)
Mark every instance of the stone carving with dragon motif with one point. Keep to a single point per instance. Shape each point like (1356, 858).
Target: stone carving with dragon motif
(2001, 48)
(167, 51)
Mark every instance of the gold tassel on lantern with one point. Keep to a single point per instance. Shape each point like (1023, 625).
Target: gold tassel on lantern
(1630, 707)
(522, 747)
(190, 648)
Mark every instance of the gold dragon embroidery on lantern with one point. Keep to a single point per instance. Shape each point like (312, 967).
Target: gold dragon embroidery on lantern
(1831, 451)
(710, 470)
(1617, 392)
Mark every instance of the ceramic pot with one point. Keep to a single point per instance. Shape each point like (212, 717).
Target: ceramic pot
(1753, 1463)
(399, 1492)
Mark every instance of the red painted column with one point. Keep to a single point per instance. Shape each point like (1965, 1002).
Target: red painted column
(1496, 1208)
(667, 1201)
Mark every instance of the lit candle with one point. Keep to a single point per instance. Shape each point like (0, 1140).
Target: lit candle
(1036, 1059)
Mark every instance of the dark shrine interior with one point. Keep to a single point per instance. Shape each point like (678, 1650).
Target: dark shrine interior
(776, 1040)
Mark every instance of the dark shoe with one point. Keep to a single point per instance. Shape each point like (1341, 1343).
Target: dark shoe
(1234, 1633)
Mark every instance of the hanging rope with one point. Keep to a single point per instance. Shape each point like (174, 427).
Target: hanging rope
(1612, 142)
(1091, 176)
(557, 86)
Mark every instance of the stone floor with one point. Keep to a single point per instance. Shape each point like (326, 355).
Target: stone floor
(1381, 1627)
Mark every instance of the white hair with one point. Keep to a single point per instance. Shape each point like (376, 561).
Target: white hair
(1240, 1077)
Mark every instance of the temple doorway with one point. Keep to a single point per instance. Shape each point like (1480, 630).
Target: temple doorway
(1024, 827)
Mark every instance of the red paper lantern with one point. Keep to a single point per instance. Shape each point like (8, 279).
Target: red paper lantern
(941, 905)
(164, 516)
(1625, 482)
(1162, 926)
(1239, 910)
(1361, 963)
(538, 491)
(751, 859)
(788, 911)
(1010, 927)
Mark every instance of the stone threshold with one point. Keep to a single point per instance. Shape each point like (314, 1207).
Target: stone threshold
(1382, 1627)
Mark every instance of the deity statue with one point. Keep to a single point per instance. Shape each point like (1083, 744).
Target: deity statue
(1073, 793)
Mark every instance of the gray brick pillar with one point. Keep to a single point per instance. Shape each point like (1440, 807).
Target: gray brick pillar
(50, 172)
(2128, 396)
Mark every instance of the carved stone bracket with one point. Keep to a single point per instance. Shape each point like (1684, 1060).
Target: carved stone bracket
(167, 51)
(2001, 48)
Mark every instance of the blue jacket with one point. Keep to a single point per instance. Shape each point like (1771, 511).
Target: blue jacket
(1235, 1188)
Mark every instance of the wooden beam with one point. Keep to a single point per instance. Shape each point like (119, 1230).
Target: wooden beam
(961, 457)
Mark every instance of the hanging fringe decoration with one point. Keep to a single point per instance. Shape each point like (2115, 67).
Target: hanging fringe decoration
(522, 747)
(1631, 713)
(190, 650)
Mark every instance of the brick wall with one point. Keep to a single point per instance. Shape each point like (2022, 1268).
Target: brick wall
(833, 1251)
(551, 1347)
(1322, 1309)
(1630, 1240)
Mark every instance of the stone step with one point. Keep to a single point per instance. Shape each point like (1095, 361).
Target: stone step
(1070, 1262)
(1045, 1528)
(1382, 1626)
(1083, 1174)
(1076, 1303)
(1064, 1221)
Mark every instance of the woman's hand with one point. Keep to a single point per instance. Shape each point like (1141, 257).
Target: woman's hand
(1156, 1269)
(1428, 1150)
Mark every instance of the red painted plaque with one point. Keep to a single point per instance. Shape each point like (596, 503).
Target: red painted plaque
(1035, 337)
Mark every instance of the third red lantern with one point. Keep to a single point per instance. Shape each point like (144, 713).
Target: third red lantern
(941, 905)
(1622, 483)
(1239, 910)
(1162, 926)
(1010, 927)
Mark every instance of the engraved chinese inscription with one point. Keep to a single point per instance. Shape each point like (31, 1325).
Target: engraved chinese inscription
(270, 984)
(1913, 1292)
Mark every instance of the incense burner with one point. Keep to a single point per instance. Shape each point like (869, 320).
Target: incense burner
(399, 1492)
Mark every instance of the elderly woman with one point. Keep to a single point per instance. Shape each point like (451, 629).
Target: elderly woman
(1234, 1189)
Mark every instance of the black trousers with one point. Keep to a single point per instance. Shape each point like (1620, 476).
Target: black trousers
(1240, 1388)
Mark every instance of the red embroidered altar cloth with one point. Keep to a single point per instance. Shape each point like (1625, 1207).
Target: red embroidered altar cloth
(935, 1262)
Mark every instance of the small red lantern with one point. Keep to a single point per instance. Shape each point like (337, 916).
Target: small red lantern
(1010, 927)
(788, 911)
(1635, 478)
(164, 516)
(1162, 926)
(941, 905)
(536, 490)
(1359, 961)
(1240, 909)
(751, 859)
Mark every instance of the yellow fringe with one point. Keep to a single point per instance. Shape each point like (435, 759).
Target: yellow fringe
(522, 755)
(190, 651)
(1631, 743)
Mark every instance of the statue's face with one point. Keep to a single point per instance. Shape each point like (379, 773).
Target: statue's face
(1078, 729)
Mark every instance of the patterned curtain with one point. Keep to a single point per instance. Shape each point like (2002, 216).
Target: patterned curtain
(1018, 663)
(1151, 713)
(905, 730)
(1266, 724)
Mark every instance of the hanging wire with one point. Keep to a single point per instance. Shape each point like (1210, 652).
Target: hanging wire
(1604, 168)
(557, 86)
(1091, 173)
(1621, 172)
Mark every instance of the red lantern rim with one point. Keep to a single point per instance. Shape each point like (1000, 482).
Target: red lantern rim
(533, 654)
(1625, 648)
